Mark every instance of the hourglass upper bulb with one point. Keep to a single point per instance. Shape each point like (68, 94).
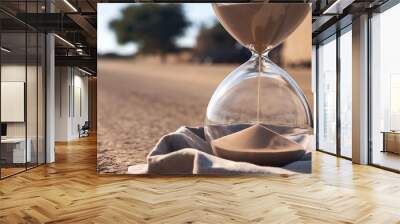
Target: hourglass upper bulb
(260, 26)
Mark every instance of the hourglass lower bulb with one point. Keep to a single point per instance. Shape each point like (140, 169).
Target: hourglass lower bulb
(258, 114)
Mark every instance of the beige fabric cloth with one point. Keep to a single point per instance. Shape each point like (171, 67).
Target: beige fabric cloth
(186, 152)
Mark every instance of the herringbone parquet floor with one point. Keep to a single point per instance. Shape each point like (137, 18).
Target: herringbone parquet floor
(70, 191)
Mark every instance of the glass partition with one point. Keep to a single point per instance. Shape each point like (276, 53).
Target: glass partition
(14, 145)
(22, 89)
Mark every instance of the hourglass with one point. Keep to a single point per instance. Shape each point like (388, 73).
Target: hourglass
(258, 113)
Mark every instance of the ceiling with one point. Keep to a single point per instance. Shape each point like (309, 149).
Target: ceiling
(331, 15)
(73, 21)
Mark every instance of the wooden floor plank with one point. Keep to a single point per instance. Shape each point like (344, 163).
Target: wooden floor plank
(70, 191)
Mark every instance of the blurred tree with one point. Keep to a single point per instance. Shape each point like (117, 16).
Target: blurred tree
(153, 27)
(214, 44)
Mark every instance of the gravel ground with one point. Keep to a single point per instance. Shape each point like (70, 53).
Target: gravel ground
(140, 102)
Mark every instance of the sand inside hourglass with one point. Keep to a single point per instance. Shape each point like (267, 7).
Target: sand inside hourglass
(260, 27)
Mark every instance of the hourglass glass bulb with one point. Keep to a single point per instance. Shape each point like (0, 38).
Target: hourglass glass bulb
(258, 114)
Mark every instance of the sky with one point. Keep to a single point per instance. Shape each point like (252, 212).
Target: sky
(197, 13)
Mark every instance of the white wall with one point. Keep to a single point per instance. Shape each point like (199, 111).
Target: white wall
(62, 81)
(13, 101)
(12, 73)
(33, 126)
(70, 83)
(80, 109)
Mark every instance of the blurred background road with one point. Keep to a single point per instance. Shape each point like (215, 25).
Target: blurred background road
(141, 101)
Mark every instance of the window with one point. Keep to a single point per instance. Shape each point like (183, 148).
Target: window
(385, 89)
(346, 93)
(327, 96)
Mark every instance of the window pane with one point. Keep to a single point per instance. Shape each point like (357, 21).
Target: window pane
(385, 84)
(346, 94)
(327, 97)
